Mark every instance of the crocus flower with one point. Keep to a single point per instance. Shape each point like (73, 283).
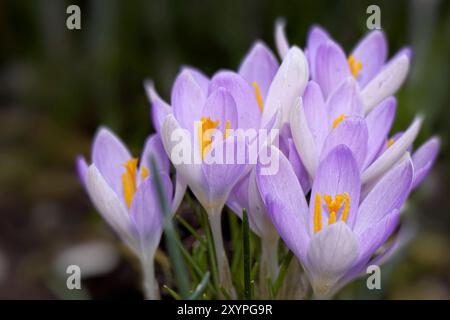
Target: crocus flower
(122, 189)
(334, 237)
(329, 66)
(318, 125)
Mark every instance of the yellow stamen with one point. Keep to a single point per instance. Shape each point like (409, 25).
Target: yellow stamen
(333, 206)
(129, 179)
(355, 65)
(205, 133)
(390, 142)
(338, 120)
(317, 214)
(258, 95)
(332, 217)
(346, 207)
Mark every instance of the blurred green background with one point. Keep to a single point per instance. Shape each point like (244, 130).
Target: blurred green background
(57, 86)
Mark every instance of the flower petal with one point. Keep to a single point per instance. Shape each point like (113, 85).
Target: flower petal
(303, 138)
(316, 36)
(371, 51)
(337, 173)
(351, 132)
(388, 194)
(423, 159)
(154, 148)
(111, 208)
(379, 122)
(260, 66)
(249, 115)
(316, 113)
(159, 108)
(188, 99)
(388, 158)
(82, 168)
(299, 168)
(220, 106)
(201, 79)
(146, 214)
(331, 67)
(287, 210)
(331, 252)
(385, 83)
(345, 100)
(288, 84)
(109, 154)
(281, 41)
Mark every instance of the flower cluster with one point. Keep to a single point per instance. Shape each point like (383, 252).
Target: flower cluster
(341, 179)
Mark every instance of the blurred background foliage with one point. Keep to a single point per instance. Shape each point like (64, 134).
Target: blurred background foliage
(57, 86)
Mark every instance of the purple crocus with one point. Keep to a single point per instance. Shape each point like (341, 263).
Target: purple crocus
(329, 66)
(123, 191)
(335, 236)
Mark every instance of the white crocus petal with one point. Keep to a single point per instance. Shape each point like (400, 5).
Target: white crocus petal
(303, 138)
(390, 157)
(331, 253)
(178, 145)
(289, 83)
(385, 83)
(109, 206)
(281, 41)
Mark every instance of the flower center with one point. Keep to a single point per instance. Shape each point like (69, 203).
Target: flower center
(129, 179)
(258, 96)
(333, 207)
(355, 65)
(338, 120)
(206, 132)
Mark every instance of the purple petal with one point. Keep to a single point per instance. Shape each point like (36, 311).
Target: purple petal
(259, 65)
(188, 99)
(351, 132)
(146, 214)
(316, 37)
(315, 112)
(109, 155)
(371, 51)
(219, 177)
(345, 100)
(423, 159)
(331, 67)
(287, 210)
(220, 106)
(154, 148)
(238, 199)
(337, 173)
(299, 168)
(159, 108)
(376, 235)
(379, 122)
(201, 79)
(82, 168)
(249, 115)
(388, 194)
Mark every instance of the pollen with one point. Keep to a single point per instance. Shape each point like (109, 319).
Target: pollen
(317, 214)
(355, 65)
(333, 207)
(338, 120)
(258, 96)
(205, 133)
(129, 183)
